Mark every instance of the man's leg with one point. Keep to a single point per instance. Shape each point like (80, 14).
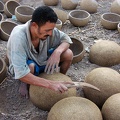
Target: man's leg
(66, 60)
(23, 89)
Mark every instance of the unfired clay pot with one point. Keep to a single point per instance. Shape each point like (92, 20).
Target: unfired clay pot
(110, 20)
(107, 80)
(105, 53)
(115, 6)
(78, 50)
(9, 7)
(79, 18)
(3, 70)
(69, 4)
(111, 108)
(59, 24)
(1, 6)
(45, 98)
(118, 27)
(62, 15)
(24, 13)
(89, 5)
(74, 108)
(5, 29)
(1, 17)
(51, 2)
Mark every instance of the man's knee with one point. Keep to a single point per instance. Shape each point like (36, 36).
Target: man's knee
(67, 55)
(32, 67)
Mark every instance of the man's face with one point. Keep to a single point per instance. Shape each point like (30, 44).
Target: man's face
(46, 30)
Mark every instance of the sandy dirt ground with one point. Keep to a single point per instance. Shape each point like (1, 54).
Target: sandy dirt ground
(13, 107)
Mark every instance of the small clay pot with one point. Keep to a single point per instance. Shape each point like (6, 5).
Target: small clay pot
(9, 7)
(1, 6)
(115, 7)
(78, 50)
(50, 2)
(6, 28)
(3, 70)
(79, 18)
(62, 15)
(118, 27)
(24, 13)
(59, 24)
(110, 20)
(89, 5)
(69, 4)
(1, 17)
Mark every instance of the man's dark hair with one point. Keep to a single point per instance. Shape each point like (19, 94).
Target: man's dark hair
(44, 14)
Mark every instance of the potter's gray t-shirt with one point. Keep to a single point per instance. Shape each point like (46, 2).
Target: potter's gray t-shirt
(20, 49)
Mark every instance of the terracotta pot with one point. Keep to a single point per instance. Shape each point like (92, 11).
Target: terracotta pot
(62, 15)
(1, 6)
(69, 4)
(59, 24)
(89, 5)
(3, 70)
(115, 7)
(78, 50)
(5, 29)
(118, 27)
(51, 2)
(79, 17)
(9, 7)
(110, 20)
(24, 13)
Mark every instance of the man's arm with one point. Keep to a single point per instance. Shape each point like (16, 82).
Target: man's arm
(57, 86)
(54, 59)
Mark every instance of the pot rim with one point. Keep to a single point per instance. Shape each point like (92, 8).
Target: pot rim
(23, 6)
(109, 13)
(79, 11)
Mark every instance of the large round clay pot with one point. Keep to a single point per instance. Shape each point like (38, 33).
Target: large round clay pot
(115, 6)
(4, 1)
(107, 80)
(110, 20)
(111, 108)
(24, 13)
(89, 5)
(51, 2)
(6, 28)
(74, 108)
(1, 6)
(62, 15)
(78, 50)
(9, 7)
(69, 4)
(105, 53)
(79, 18)
(3, 70)
(45, 98)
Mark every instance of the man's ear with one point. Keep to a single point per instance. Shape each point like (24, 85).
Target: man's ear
(34, 24)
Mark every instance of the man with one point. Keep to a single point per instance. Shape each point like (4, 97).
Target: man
(38, 46)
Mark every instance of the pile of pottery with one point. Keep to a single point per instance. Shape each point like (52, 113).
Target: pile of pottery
(16, 13)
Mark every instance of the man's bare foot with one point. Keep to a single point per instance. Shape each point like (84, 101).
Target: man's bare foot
(23, 90)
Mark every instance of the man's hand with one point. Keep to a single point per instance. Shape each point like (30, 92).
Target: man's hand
(53, 63)
(59, 86)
